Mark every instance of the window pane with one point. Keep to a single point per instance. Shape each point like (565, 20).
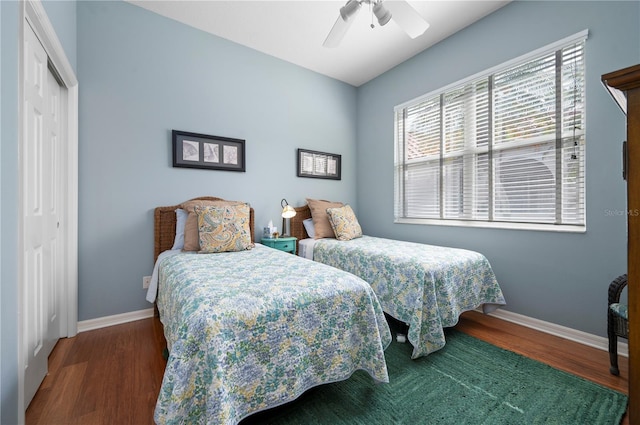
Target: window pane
(453, 175)
(480, 185)
(423, 130)
(422, 190)
(525, 184)
(573, 181)
(525, 99)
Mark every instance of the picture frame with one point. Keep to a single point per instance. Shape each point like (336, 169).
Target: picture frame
(195, 150)
(319, 165)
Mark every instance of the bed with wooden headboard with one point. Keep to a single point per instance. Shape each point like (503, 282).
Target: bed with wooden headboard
(425, 286)
(252, 329)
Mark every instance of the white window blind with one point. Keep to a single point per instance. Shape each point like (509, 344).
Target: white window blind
(504, 147)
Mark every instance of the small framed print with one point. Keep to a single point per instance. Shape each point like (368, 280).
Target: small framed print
(193, 150)
(320, 165)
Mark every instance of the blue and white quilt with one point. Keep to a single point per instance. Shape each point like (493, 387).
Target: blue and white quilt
(251, 330)
(425, 286)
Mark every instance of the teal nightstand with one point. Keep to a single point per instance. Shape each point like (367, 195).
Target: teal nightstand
(283, 244)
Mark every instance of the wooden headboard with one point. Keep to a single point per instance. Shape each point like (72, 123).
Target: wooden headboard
(295, 223)
(164, 225)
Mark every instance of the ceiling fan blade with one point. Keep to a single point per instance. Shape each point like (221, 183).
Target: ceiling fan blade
(407, 17)
(337, 32)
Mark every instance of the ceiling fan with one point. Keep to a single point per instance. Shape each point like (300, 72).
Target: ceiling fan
(400, 11)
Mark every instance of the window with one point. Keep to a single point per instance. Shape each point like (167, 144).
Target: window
(505, 147)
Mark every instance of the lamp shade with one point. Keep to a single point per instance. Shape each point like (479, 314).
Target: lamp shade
(288, 211)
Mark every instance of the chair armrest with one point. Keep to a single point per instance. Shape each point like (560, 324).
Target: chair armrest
(616, 287)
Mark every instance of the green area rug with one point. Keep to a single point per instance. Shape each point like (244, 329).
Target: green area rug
(467, 382)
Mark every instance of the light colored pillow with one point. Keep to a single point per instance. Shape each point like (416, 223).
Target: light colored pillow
(344, 223)
(223, 228)
(308, 226)
(191, 241)
(181, 221)
(321, 223)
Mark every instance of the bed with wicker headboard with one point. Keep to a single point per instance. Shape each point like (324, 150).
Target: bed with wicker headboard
(164, 226)
(252, 329)
(425, 286)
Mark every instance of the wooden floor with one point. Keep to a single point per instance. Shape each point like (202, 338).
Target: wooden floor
(113, 375)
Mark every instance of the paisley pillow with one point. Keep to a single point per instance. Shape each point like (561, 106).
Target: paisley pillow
(344, 223)
(191, 242)
(223, 228)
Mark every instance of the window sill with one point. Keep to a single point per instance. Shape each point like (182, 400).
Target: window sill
(495, 225)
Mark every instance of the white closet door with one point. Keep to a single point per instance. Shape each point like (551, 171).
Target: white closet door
(52, 214)
(40, 207)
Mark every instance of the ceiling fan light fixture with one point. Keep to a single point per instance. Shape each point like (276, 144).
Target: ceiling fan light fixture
(400, 11)
(348, 10)
(382, 14)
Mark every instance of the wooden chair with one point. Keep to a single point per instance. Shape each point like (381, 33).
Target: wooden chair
(617, 320)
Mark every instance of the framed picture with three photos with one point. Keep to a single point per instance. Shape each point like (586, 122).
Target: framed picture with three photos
(319, 165)
(194, 150)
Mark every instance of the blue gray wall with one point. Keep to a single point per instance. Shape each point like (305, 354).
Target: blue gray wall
(142, 75)
(556, 277)
(62, 15)
(8, 212)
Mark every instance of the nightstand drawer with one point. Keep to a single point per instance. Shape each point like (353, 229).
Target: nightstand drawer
(282, 244)
(286, 246)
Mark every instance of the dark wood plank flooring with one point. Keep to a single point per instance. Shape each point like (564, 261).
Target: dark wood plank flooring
(113, 375)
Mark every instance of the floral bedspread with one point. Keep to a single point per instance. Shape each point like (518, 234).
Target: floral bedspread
(425, 286)
(251, 330)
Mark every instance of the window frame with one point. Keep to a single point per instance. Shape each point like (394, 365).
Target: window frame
(400, 161)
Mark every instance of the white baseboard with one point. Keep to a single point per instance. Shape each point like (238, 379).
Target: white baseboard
(539, 325)
(561, 331)
(117, 319)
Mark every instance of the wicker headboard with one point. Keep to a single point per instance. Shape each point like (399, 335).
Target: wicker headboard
(165, 225)
(295, 223)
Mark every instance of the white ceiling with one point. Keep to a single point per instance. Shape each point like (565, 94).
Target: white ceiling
(294, 30)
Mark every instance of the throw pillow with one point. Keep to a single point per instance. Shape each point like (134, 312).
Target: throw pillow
(191, 240)
(308, 226)
(181, 222)
(344, 223)
(223, 228)
(320, 219)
